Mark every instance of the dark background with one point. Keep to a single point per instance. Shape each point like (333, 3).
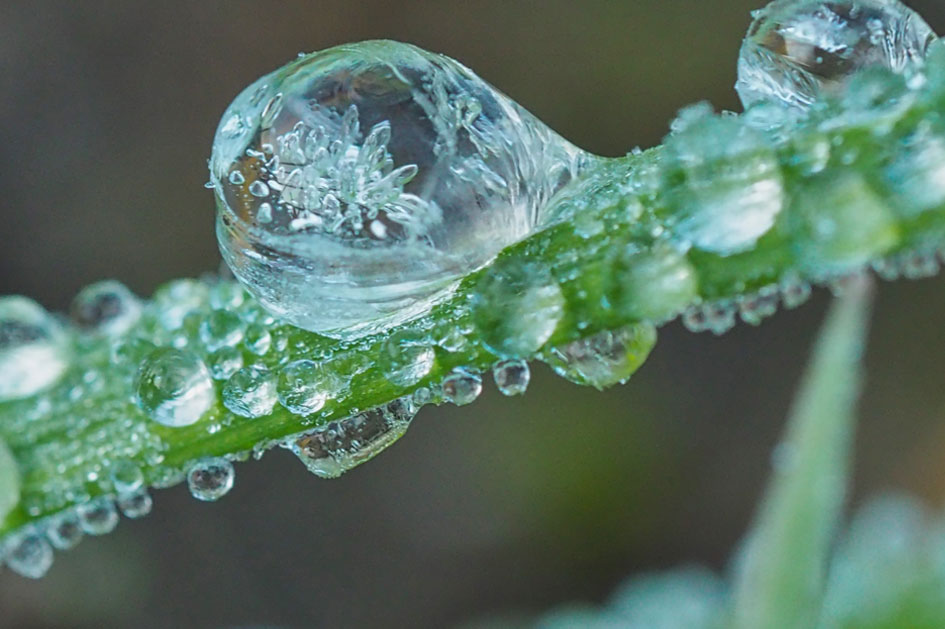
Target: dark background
(107, 111)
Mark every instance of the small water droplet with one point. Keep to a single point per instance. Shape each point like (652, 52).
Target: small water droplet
(225, 362)
(339, 446)
(236, 178)
(716, 317)
(757, 307)
(258, 340)
(64, 530)
(511, 376)
(250, 392)
(136, 504)
(177, 299)
(174, 387)
(604, 359)
(517, 306)
(406, 358)
(34, 350)
(126, 477)
(226, 295)
(794, 291)
(107, 308)
(798, 49)
(98, 516)
(656, 284)
(304, 387)
(385, 169)
(221, 328)
(210, 478)
(462, 387)
(28, 554)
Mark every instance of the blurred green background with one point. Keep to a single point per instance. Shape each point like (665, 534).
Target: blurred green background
(106, 117)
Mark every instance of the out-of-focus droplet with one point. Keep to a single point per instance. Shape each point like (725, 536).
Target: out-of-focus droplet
(210, 478)
(136, 504)
(511, 376)
(98, 516)
(797, 49)
(64, 530)
(339, 446)
(370, 178)
(107, 308)
(250, 392)
(28, 554)
(174, 387)
(126, 477)
(462, 387)
(221, 328)
(604, 359)
(34, 350)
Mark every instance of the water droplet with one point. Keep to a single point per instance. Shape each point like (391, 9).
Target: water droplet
(757, 307)
(210, 478)
(126, 477)
(174, 387)
(107, 308)
(258, 340)
(339, 446)
(64, 530)
(725, 185)
(29, 555)
(389, 173)
(604, 359)
(225, 362)
(798, 49)
(716, 317)
(462, 387)
(517, 306)
(136, 504)
(794, 291)
(251, 392)
(221, 328)
(34, 350)
(98, 516)
(177, 299)
(406, 358)
(304, 387)
(511, 376)
(655, 284)
(225, 295)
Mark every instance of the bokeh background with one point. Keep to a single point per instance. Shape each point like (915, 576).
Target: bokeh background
(107, 111)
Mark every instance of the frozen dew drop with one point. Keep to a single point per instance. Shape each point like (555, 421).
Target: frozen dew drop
(225, 362)
(174, 387)
(335, 448)
(34, 349)
(28, 554)
(304, 387)
(517, 306)
(372, 178)
(210, 478)
(511, 376)
(221, 328)
(106, 308)
(604, 359)
(136, 504)
(462, 387)
(98, 516)
(250, 392)
(406, 358)
(64, 530)
(797, 50)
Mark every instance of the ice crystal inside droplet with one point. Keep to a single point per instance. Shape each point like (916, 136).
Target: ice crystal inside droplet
(174, 387)
(795, 49)
(356, 185)
(33, 348)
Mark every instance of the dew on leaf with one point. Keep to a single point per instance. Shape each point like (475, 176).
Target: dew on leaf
(210, 478)
(174, 387)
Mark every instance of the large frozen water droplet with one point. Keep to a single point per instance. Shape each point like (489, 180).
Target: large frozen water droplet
(29, 555)
(34, 350)
(604, 359)
(797, 49)
(210, 478)
(107, 308)
(356, 185)
(174, 387)
(339, 446)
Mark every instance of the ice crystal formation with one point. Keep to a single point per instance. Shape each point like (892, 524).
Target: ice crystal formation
(398, 228)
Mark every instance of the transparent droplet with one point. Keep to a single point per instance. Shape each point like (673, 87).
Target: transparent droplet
(174, 387)
(604, 359)
(258, 340)
(517, 307)
(64, 530)
(406, 358)
(107, 308)
(177, 299)
(225, 362)
(222, 328)
(381, 175)
(250, 392)
(210, 478)
(304, 387)
(29, 555)
(34, 350)
(339, 446)
(126, 477)
(757, 307)
(794, 291)
(798, 49)
(656, 283)
(136, 504)
(98, 516)
(511, 376)
(462, 387)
